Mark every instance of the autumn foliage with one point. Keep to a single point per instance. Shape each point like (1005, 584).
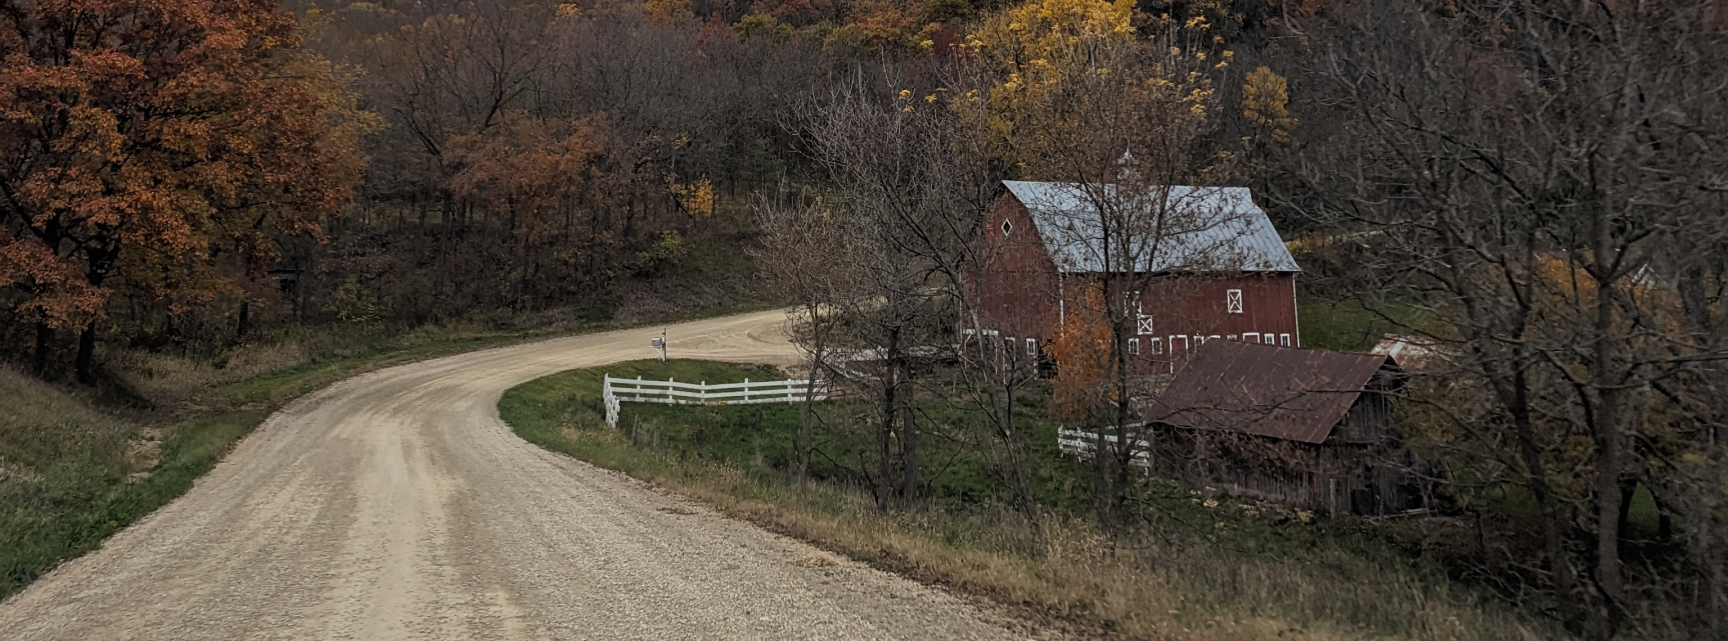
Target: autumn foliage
(151, 137)
(1082, 353)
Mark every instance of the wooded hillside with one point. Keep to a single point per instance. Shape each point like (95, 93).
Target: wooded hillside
(1537, 187)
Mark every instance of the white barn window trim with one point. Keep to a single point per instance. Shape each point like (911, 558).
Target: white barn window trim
(1233, 301)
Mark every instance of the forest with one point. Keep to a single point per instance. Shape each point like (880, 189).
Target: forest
(1539, 188)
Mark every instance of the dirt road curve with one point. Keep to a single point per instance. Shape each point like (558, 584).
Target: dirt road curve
(396, 505)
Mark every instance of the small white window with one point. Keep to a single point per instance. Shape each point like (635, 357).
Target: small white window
(1284, 339)
(1230, 337)
(1157, 346)
(1213, 337)
(1142, 323)
(1133, 347)
(1031, 347)
(1007, 226)
(1252, 337)
(1199, 340)
(1233, 301)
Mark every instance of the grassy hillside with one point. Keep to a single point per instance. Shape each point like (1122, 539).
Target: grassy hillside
(1202, 566)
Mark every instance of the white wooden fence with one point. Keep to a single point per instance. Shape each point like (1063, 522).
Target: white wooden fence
(1080, 443)
(672, 392)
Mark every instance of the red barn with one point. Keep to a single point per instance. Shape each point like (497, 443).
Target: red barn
(1222, 273)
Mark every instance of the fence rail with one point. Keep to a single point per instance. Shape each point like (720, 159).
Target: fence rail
(615, 391)
(1080, 443)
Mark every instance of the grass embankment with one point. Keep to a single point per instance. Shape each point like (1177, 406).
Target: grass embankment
(1205, 567)
(76, 466)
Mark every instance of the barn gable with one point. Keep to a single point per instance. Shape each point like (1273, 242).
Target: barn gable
(1214, 229)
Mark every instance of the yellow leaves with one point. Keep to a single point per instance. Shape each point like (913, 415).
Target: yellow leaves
(1265, 97)
(667, 11)
(1043, 29)
(696, 198)
(569, 10)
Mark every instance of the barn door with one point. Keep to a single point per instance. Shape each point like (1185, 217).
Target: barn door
(1178, 346)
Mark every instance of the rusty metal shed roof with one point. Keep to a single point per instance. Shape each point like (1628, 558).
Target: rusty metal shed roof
(1279, 392)
(1414, 353)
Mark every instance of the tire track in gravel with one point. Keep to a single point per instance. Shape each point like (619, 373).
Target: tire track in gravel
(396, 505)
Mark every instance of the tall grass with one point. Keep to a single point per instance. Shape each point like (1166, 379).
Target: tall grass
(1204, 567)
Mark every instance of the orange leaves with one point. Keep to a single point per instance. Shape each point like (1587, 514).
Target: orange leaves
(1082, 353)
(60, 295)
(528, 166)
(146, 158)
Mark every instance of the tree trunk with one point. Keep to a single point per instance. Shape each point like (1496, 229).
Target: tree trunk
(44, 344)
(890, 387)
(908, 445)
(804, 431)
(1610, 466)
(245, 318)
(1023, 485)
(86, 354)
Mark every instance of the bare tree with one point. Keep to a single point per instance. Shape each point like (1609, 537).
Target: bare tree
(911, 187)
(1534, 166)
(807, 258)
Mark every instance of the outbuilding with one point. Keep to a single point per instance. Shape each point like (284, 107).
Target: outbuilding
(1309, 428)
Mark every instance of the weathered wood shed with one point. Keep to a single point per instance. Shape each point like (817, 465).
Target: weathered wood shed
(1224, 274)
(1309, 428)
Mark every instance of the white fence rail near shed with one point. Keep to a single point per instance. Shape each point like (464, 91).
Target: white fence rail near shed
(672, 392)
(1080, 443)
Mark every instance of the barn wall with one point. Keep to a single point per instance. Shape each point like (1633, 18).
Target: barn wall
(1339, 476)
(1017, 287)
(1188, 310)
(1018, 290)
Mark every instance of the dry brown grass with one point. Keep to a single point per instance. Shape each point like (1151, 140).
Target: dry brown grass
(171, 377)
(1077, 580)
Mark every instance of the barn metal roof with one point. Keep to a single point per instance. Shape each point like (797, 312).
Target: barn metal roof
(1280, 392)
(1196, 229)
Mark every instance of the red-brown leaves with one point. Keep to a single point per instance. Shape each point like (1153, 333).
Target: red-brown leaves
(530, 167)
(148, 136)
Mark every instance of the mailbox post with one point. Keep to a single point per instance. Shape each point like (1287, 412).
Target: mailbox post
(659, 343)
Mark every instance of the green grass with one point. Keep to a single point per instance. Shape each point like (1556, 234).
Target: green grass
(1350, 325)
(1195, 570)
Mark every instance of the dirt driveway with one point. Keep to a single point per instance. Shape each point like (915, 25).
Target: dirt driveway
(396, 505)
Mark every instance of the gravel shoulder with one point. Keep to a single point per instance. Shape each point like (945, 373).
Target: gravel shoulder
(396, 505)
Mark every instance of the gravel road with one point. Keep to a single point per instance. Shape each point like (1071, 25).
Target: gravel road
(396, 505)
